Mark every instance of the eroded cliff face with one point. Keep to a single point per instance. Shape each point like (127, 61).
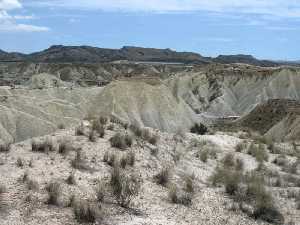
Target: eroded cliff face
(170, 104)
(233, 91)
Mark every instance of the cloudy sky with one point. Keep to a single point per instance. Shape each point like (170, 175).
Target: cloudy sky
(268, 29)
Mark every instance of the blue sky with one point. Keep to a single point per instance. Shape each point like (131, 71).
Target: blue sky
(267, 29)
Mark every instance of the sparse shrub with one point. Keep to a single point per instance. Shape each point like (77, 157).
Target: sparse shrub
(98, 127)
(71, 179)
(228, 160)
(103, 120)
(86, 212)
(92, 136)
(136, 130)
(163, 176)
(153, 140)
(123, 162)
(112, 160)
(79, 130)
(281, 160)
(43, 145)
(20, 162)
(110, 127)
(2, 189)
(100, 192)
(5, 147)
(239, 164)
(176, 198)
(78, 162)
(203, 156)
(121, 141)
(199, 129)
(259, 152)
(228, 177)
(130, 158)
(64, 146)
(154, 151)
(124, 187)
(61, 126)
(240, 147)
(189, 183)
(25, 177)
(146, 134)
(106, 156)
(32, 185)
(54, 192)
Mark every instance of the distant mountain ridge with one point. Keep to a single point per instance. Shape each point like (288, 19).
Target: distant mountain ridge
(88, 54)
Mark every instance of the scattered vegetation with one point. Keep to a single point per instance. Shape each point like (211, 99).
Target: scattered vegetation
(92, 136)
(71, 179)
(20, 162)
(163, 177)
(64, 146)
(54, 193)
(176, 198)
(44, 146)
(78, 162)
(98, 126)
(199, 129)
(5, 147)
(79, 130)
(86, 212)
(124, 187)
(121, 141)
(258, 152)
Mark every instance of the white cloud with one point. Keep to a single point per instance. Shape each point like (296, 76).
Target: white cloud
(285, 8)
(8, 22)
(9, 4)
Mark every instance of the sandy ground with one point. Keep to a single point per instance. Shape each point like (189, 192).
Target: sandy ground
(210, 205)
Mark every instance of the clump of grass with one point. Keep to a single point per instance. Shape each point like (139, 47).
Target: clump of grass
(5, 147)
(281, 160)
(78, 162)
(176, 198)
(20, 162)
(258, 152)
(203, 155)
(228, 160)
(45, 146)
(79, 130)
(86, 212)
(64, 146)
(128, 159)
(3, 189)
(61, 126)
(136, 130)
(124, 187)
(92, 136)
(32, 185)
(207, 153)
(54, 193)
(163, 177)
(98, 127)
(199, 129)
(71, 179)
(240, 147)
(100, 192)
(112, 160)
(151, 138)
(189, 183)
(103, 120)
(121, 141)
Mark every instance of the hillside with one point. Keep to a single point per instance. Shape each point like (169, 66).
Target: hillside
(88, 54)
